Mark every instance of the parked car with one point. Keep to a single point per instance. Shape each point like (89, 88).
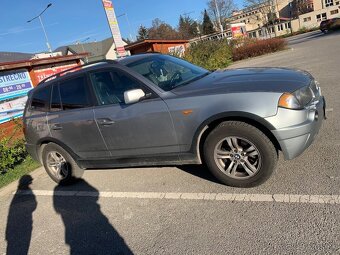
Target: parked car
(330, 24)
(153, 109)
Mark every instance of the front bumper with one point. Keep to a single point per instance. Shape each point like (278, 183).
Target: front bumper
(297, 129)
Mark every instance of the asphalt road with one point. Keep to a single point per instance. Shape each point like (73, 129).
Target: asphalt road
(184, 210)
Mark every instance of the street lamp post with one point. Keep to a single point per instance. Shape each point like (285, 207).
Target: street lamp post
(42, 25)
(128, 22)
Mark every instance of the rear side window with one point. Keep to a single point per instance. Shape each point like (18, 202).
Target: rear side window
(74, 93)
(55, 99)
(41, 99)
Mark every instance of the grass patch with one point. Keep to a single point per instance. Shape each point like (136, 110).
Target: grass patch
(25, 167)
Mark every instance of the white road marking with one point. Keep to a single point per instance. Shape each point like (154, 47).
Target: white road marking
(329, 109)
(276, 198)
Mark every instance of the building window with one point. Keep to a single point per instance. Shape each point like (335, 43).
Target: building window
(334, 12)
(307, 19)
(320, 17)
(329, 3)
(252, 34)
(279, 27)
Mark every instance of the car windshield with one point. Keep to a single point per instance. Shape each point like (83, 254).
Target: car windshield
(168, 72)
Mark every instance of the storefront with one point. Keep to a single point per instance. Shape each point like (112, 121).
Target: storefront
(176, 47)
(17, 78)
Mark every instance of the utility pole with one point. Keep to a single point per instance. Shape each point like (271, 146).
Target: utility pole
(81, 43)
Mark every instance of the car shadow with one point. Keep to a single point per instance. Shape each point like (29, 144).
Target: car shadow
(200, 171)
(87, 229)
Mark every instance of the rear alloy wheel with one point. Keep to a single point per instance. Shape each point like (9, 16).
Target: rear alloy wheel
(239, 154)
(59, 165)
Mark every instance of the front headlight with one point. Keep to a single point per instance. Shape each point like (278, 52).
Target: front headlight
(296, 100)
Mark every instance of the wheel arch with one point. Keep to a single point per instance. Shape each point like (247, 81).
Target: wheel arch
(43, 142)
(208, 125)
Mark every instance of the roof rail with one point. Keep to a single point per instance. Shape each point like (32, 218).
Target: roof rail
(108, 61)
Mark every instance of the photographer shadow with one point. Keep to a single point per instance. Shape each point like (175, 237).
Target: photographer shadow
(87, 229)
(20, 218)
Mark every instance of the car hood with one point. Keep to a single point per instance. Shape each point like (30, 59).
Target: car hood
(278, 80)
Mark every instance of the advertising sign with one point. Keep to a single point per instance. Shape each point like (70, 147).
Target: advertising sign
(14, 86)
(112, 19)
(44, 72)
(238, 30)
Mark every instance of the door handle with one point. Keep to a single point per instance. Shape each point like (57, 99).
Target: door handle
(56, 127)
(105, 122)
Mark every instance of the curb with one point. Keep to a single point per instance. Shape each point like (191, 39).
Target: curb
(10, 188)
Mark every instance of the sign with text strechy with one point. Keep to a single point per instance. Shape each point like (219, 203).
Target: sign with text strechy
(14, 84)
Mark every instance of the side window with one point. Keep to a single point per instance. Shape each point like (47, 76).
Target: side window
(55, 99)
(41, 99)
(103, 86)
(74, 94)
(122, 83)
(110, 86)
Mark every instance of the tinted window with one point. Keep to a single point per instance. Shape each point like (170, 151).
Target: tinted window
(74, 94)
(41, 99)
(55, 99)
(110, 86)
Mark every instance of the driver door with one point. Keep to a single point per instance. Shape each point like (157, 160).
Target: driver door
(143, 129)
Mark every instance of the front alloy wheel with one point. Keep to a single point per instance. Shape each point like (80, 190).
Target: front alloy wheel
(239, 154)
(237, 157)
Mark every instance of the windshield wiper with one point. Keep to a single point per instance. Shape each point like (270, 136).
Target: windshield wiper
(192, 80)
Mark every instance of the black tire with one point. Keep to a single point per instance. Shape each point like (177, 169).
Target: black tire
(266, 152)
(70, 173)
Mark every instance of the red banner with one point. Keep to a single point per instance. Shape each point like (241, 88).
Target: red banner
(43, 73)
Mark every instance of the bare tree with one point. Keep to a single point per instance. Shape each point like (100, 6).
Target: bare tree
(224, 9)
(162, 30)
(301, 7)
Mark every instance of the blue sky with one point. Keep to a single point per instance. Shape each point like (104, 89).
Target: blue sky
(68, 21)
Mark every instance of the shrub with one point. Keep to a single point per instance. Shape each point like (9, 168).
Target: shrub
(12, 150)
(253, 48)
(209, 54)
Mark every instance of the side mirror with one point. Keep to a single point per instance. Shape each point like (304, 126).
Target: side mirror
(133, 96)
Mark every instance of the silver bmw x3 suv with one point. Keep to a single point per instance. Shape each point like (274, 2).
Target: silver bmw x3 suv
(154, 109)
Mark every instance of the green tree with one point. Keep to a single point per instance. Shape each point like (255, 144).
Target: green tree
(187, 27)
(143, 33)
(210, 54)
(208, 27)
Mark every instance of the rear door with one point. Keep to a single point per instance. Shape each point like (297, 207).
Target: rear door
(35, 120)
(136, 130)
(71, 118)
